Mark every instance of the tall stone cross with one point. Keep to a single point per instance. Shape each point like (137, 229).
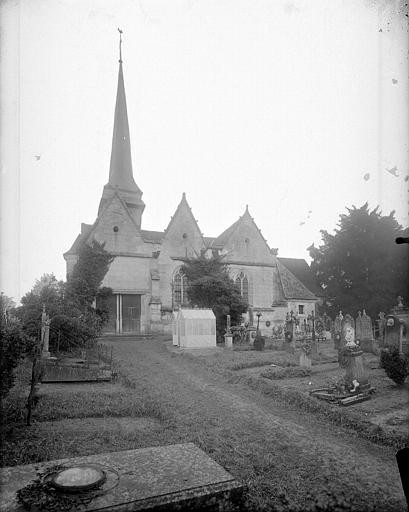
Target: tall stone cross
(228, 329)
(45, 334)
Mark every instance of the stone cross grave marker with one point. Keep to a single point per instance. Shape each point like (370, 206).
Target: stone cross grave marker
(347, 331)
(338, 329)
(366, 341)
(45, 334)
(358, 326)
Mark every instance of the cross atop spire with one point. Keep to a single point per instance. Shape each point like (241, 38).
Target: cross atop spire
(120, 45)
(120, 170)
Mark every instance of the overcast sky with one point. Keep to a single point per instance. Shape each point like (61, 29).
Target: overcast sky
(288, 106)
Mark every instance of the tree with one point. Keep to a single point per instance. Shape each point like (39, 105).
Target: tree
(361, 266)
(83, 285)
(210, 286)
(46, 281)
(74, 320)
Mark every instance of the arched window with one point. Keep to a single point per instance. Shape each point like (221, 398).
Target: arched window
(242, 283)
(179, 286)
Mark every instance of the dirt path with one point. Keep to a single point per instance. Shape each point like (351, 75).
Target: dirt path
(280, 453)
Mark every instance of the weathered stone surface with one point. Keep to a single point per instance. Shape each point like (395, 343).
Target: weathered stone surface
(73, 374)
(355, 369)
(175, 477)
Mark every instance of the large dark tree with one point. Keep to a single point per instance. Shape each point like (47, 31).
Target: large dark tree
(84, 283)
(210, 286)
(361, 266)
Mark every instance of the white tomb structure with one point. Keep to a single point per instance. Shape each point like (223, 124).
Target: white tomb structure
(196, 328)
(175, 328)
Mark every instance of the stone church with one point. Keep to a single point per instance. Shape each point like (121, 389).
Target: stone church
(146, 276)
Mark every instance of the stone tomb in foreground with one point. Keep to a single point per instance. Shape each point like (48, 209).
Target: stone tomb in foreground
(167, 478)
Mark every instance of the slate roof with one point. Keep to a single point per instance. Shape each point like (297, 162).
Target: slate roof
(152, 236)
(293, 288)
(303, 273)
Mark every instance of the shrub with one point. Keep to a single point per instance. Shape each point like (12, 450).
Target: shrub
(395, 365)
(13, 345)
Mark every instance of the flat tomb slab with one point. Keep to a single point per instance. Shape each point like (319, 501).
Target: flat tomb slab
(173, 477)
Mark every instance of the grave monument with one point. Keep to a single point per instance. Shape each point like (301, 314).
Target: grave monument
(172, 478)
(197, 328)
(45, 334)
(350, 356)
(396, 328)
(228, 337)
(354, 387)
(366, 339)
(337, 330)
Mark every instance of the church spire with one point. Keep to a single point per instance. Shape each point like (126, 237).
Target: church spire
(120, 170)
(121, 179)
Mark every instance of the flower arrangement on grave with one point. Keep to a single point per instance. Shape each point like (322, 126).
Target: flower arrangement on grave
(288, 336)
(340, 386)
(319, 326)
(306, 348)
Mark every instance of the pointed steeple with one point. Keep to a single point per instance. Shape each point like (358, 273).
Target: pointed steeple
(121, 178)
(120, 169)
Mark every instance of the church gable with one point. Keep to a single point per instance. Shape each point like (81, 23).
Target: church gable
(117, 229)
(244, 242)
(182, 237)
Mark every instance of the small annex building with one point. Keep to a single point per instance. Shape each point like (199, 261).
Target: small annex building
(146, 277)
(196, 328)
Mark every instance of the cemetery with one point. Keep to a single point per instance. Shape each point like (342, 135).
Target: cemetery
(336, 362)
(102, 443)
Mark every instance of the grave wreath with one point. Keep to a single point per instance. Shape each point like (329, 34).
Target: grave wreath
(306, 348)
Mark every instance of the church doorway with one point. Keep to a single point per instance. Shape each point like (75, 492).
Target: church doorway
(131, 313)
(124, 313)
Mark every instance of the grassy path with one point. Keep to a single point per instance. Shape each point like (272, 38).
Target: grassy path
(282, 455)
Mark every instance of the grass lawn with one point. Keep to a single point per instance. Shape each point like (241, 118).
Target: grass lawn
(159, 402)
(77, 419)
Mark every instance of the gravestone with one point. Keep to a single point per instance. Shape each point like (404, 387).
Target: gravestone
(392, 332)
(290, 332)
(45, 334)
(337, 330)
(327, 326)
(172, 478)
(401, 313)
(366, 340)
(228, 337)
(381, 327)
(350, 356)
(305, 360)
(358, 326)
(347, 331)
